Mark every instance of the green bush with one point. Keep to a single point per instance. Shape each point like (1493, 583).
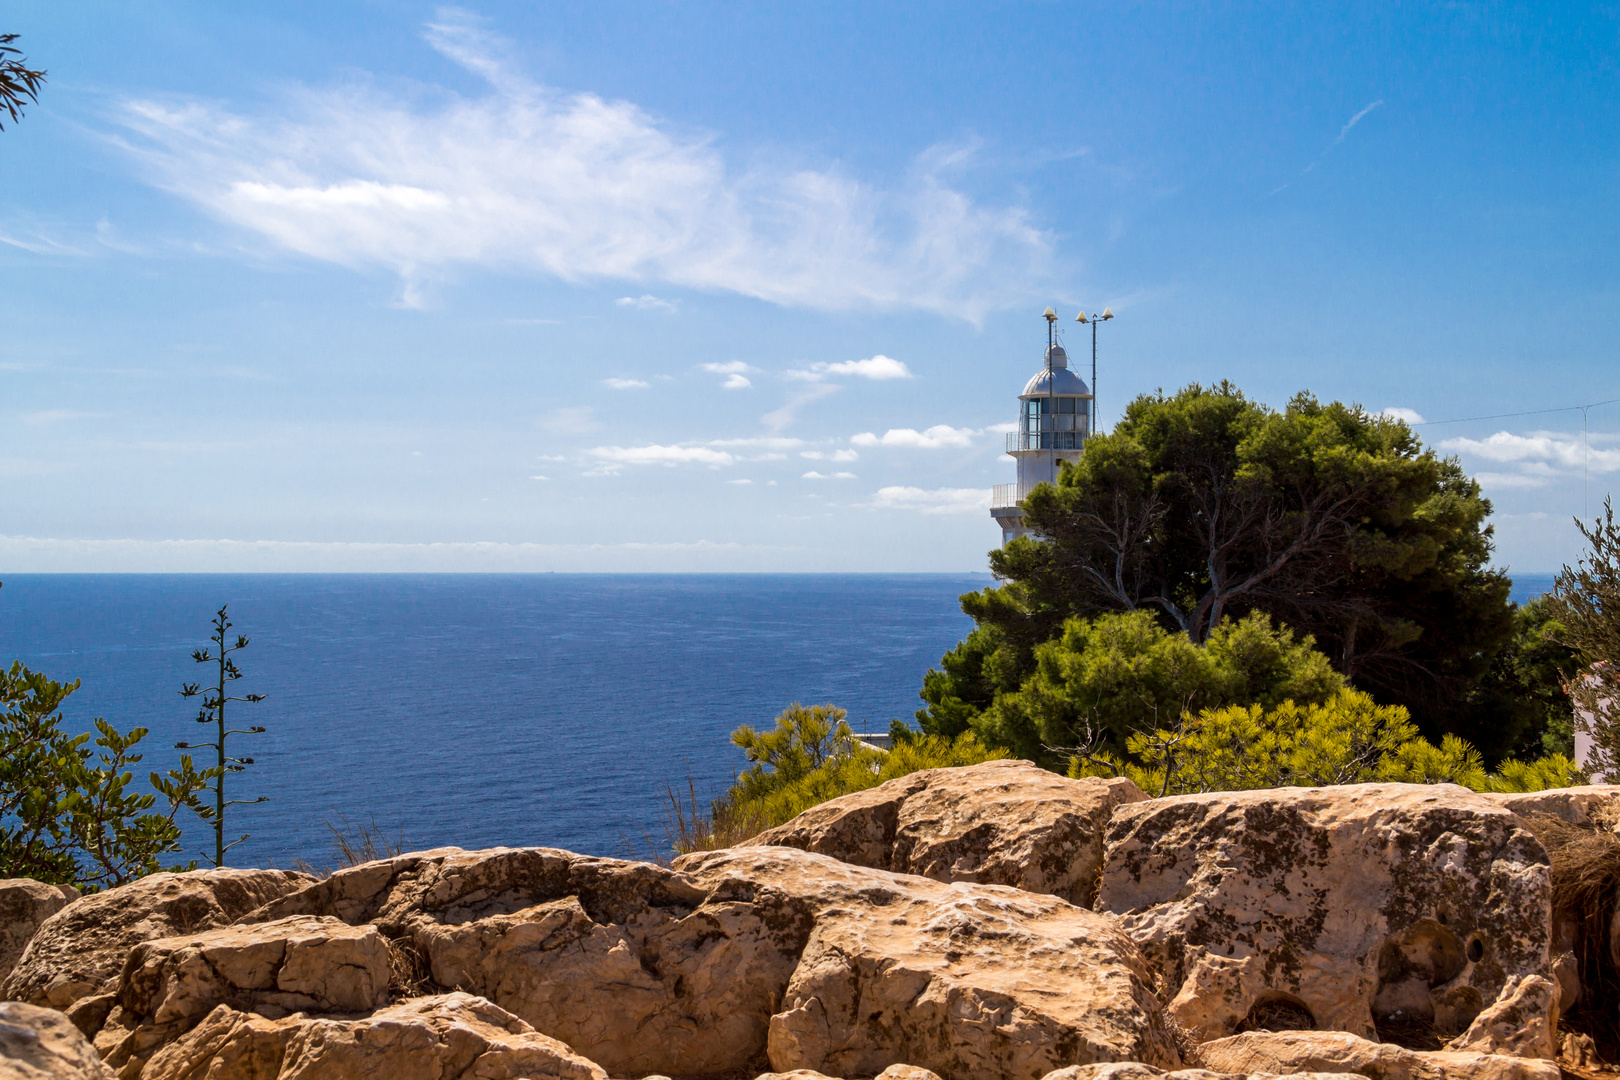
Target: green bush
(1106, 678)
(810, 756)
(1347, 739)
(67, 814)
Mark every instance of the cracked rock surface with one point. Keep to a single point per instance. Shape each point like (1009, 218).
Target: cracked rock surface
(1354, 906)
(999, 823)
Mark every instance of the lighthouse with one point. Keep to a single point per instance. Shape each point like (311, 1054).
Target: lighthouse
(1054, 419)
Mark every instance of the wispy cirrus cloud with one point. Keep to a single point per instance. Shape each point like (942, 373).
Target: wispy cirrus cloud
(617, 383)
(576, 187)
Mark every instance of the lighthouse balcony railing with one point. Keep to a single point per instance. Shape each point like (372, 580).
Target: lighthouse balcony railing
(1044, 440)
(1008, 496)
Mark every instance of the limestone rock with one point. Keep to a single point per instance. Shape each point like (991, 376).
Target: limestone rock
(1591, 804)
(24, 904)
(1132, 1070)
(760, 951)
(964, 980)
(78, 952)
(42, 1044)
(446, 1037)
(1523, 1021)
(893, 1072)
(1285, 1052)
(1353, 906)
(999, 823)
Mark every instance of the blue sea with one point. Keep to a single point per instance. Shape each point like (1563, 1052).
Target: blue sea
(476, 710)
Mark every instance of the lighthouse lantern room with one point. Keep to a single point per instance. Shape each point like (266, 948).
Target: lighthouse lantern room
(1054, 420)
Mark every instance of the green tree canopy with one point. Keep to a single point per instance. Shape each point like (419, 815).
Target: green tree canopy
(1105, 678)
(1204, 504)
(1586, 603)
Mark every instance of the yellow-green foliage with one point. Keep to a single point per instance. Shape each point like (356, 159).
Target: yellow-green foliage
(812, 756)
(1347, 739)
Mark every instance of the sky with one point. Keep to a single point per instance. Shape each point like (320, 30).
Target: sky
(753, 287)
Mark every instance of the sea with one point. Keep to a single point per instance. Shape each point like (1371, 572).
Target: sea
(479, 710)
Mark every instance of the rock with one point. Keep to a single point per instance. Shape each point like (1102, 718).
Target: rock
(1591, 804)
(24, 904)
(447, 1037)
(300, 964)
(78, 952)
(1136, 1071)
(964, 980)
(762, 952)
(893, 1072)
(999, 823)
(1349, 907)
(1284, 1052)
(1522, 1021)
(42, 1044)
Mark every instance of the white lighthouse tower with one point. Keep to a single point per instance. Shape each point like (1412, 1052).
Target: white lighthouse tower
(1054, 419)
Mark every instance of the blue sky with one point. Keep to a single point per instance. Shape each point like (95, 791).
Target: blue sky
(393, 286)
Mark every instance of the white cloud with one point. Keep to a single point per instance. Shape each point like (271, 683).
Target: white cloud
(553, 457)
(938, 436)
(615, 456)
(1410, 416)
(53, 416)
(813, 475)
(1550, 449)
(539, 478)
(733, 371)
(876, 367)
(647, 302)
(936, 501)
(836, 455)
(739, 481)
(626, 384)
(759, 442)
(571, 186)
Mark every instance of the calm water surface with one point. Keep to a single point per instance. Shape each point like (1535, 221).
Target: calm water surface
(481, 710)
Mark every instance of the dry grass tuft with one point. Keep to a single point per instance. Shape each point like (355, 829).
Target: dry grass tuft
(688, 826)
(410, 974)
(355, 844)
(1586, 888)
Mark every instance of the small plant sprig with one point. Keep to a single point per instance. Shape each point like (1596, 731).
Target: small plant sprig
(212, 711)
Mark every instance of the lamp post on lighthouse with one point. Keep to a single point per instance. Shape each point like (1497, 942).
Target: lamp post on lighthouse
(1108, 313)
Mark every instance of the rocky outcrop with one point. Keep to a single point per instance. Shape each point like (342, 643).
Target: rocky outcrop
(24, 904)
(1350, 907)
(999, 823)
(762, 952)
(1135, 1071)
(445, 1037)
(75, 956)
(1591, 805)
(43, 1044)
(301, 964)
(1286, 1052)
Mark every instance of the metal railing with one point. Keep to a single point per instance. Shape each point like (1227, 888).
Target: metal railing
(1045, 440)
(1006, 496)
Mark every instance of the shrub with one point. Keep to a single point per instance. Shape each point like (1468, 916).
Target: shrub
(809, 757)
(1107, 677)
(69, 815)
(1345, 740)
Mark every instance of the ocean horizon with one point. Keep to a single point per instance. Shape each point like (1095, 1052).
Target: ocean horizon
(478, 710)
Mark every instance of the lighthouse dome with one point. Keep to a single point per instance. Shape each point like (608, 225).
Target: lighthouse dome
(1059, 382)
